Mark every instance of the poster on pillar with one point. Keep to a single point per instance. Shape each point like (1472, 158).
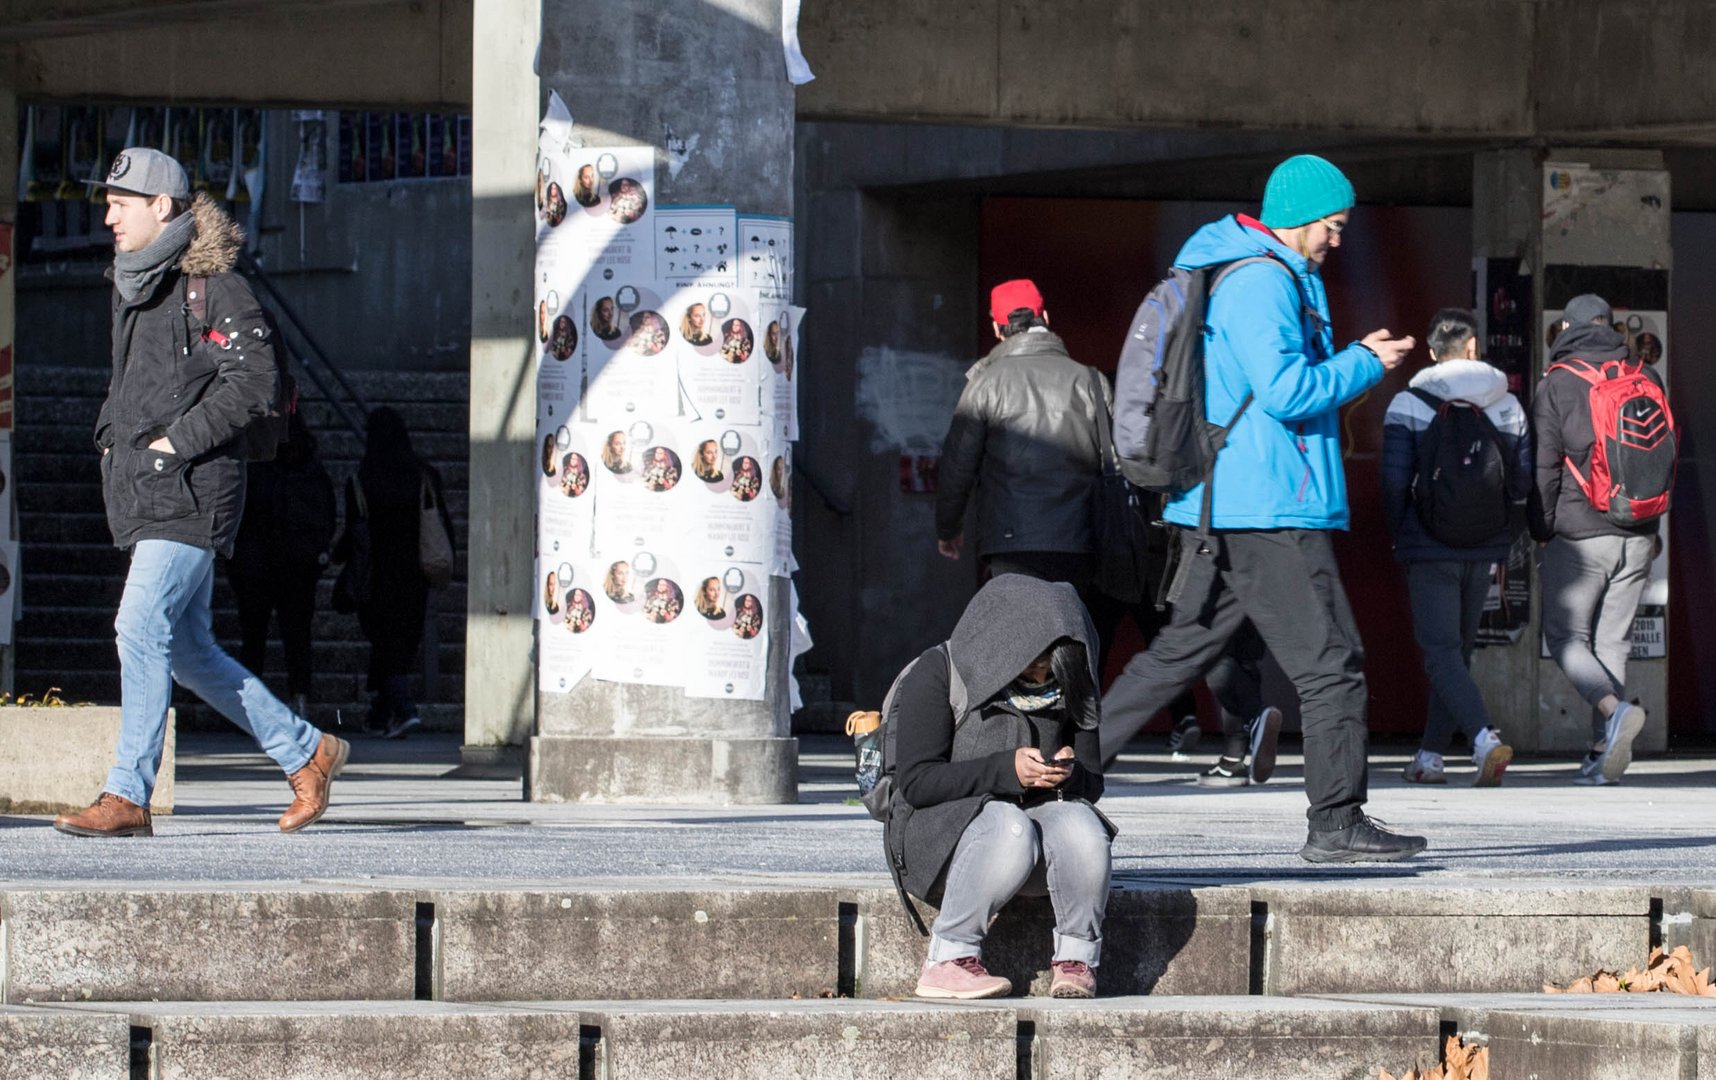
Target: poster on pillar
(728, 643)
(1646, 333)
(780, 492)
(646, 634)
(628, 363)
(730, 511)
(641, 487)
(720, 367)
(569, 620)
(765, 255)
(696, 247)
(780, 348)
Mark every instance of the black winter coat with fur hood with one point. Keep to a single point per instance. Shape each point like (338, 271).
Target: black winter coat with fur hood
(168, 380)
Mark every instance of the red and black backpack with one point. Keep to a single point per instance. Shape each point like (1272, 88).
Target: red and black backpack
(1631, 474)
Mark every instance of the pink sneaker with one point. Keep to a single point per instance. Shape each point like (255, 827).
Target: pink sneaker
(1073, 979)
(963, 978)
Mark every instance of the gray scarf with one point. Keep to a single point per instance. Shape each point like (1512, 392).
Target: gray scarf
(135, 273)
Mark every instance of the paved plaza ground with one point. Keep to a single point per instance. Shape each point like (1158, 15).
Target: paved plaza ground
(397, 816)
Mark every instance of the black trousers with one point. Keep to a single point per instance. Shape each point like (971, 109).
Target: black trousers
(1287, 584)
(292, 594)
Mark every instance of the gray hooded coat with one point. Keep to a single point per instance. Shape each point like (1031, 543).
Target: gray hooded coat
(945, 776)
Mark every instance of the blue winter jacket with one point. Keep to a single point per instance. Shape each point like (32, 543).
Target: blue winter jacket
(1281, 468)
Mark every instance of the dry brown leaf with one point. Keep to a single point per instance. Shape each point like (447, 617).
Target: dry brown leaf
(1384, 1074)
(1481, 1064)
(1606, 983)
(1580, 986)
(1551, 988)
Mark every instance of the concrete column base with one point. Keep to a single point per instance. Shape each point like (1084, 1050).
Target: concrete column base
(715, 771)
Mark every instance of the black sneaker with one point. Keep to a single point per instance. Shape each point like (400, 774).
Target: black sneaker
(1365, 840)
(1228, 772)
(1184, 738)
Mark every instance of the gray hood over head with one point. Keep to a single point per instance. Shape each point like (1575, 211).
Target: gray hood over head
(1011, 621)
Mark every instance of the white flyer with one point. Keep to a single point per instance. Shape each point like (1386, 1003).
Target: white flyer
(697, 246)
(720, 364)
(765, 255)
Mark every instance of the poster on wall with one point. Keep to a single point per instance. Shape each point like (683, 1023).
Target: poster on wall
(728, 632)
(765, 255)
(646, 640)
(1646, 333)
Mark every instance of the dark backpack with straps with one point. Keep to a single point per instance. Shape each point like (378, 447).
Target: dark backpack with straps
(261, 439)
(877, 763)
(1461, 486)
(1165, 442)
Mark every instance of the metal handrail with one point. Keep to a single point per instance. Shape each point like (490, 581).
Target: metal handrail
(310, 356)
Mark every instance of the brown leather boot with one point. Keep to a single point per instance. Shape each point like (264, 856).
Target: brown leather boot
(311, 783)
(108, 815)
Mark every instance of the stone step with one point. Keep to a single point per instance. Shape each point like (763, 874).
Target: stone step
(37, 1043)
(1189, 1038)
(550, 942)
(1580, 1036)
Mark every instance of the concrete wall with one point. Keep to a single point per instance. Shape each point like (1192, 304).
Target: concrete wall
(1403, 67)
(311, 53)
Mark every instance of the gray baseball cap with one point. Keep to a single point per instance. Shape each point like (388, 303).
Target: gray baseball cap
(139, 170)
(1587, 308)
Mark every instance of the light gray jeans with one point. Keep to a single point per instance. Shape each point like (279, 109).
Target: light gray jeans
(1060, 848)
(1591, 589)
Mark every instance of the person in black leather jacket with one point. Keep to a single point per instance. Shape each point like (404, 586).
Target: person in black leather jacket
(1024, 442)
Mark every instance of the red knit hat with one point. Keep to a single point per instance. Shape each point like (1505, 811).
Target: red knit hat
(1010, 296)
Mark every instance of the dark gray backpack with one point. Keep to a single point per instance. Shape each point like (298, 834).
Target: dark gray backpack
(1164, 441)
(876, 753)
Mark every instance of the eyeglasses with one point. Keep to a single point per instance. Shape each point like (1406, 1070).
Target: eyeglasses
(1335, 227)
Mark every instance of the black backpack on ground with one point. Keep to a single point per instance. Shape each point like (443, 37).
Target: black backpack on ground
(1461, 486)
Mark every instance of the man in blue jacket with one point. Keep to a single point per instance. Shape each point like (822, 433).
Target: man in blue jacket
(1278, 491)
(1448, 585)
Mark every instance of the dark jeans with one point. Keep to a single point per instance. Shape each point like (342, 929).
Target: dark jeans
(1286, 582)
(292, 594)
(1106, 613)
(1447, 602)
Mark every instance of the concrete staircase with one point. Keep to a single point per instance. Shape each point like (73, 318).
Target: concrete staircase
(1282, 981)
(73, 576)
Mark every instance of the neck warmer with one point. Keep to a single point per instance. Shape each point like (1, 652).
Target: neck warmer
(135, 273)
(1030, 697)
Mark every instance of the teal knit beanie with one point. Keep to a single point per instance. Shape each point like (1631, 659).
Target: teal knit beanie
(1302, 189)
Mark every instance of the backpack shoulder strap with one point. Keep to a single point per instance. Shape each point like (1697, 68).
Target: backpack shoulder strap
(358, 499)
(1435, 403)
(1584, 369)
(197, 299)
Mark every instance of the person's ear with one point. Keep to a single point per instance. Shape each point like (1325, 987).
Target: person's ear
(1472, 347)
(1045, 316)
(997, 327)
(162, 206)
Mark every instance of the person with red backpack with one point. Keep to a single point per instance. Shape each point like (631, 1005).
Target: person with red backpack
(1456, 460)
(1605, 468)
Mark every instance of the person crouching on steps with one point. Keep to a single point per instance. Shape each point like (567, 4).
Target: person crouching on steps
(999, 804)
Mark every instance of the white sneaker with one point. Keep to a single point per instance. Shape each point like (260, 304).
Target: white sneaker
(1265, 735)
(1492, 757)
(1425, 768)
(1623, 727)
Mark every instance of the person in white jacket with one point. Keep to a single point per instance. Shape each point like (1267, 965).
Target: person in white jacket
(1449, 547)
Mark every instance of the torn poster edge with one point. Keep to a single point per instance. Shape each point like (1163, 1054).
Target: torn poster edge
(798, 69)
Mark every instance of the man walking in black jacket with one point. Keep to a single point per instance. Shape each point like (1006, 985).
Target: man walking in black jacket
(1594, 570)
(189, 374)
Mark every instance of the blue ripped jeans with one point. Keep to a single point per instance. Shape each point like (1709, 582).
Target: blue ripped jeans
(165, 631)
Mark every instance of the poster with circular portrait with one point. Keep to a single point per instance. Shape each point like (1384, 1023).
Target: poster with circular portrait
(566, 477)
(728, 654)
(730, 511)
(628, 362)
(720, 366)
(783, 373)
(571, 621)
(646, 593)
(780, 493)
(641, 483)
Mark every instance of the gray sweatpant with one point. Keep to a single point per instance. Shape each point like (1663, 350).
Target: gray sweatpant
(1591, 589)
(1060, 848)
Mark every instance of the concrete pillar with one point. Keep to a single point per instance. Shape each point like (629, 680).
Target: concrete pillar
(704, 84)
(499, 676)
(1567, 222)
